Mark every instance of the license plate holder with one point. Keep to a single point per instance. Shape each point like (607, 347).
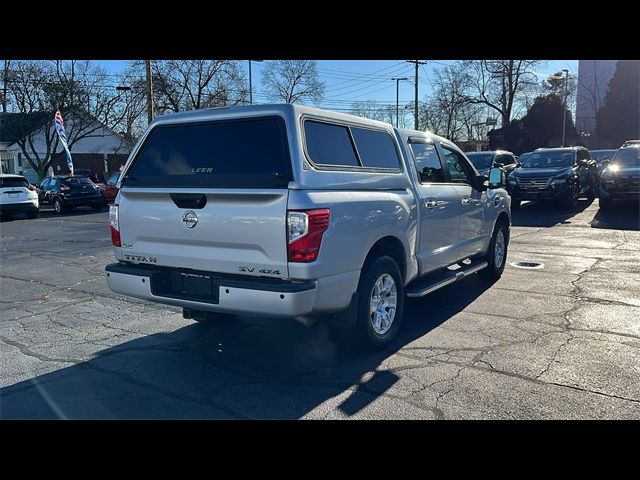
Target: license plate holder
(196, 287)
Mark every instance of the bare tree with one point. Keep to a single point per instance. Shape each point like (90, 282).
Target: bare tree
(449, 111)
(180, 85)
(38, 88)
(375, 111)
(292, 81)
(498, 83)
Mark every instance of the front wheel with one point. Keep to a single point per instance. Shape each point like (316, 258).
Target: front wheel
(496, 257)
(572, 200)
(380, 306)
(58, 205)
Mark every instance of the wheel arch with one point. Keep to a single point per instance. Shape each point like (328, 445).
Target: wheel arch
(391, 246)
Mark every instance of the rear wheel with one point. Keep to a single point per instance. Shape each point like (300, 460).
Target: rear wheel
(380, 306)
(496, 257)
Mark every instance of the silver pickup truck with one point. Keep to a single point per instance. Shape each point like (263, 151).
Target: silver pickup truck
(292, 211)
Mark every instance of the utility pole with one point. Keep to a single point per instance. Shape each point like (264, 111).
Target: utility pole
(5, 80)
(415, 106)
(398, 80)
(564, 111)
(149, 92)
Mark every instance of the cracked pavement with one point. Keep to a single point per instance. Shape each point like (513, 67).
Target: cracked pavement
(560, 342)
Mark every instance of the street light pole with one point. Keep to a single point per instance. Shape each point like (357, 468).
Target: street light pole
(398, 80)
(564, 110)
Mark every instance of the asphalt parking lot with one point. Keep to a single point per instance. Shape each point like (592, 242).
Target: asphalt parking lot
(558, 342)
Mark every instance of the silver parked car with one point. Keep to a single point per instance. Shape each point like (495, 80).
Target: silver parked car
(287, 210)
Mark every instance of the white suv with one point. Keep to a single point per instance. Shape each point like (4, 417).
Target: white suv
(18, 196)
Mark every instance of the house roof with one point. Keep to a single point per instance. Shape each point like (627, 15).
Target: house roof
(14, 126)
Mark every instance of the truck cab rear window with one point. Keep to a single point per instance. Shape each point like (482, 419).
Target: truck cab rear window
(225, 153)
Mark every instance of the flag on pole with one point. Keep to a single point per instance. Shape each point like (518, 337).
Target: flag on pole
(63, 139)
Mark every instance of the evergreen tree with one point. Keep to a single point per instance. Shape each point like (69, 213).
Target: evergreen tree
(619, 118)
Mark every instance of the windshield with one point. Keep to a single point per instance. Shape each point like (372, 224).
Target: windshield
(481, 161)
(600, 155)
(549, 159)
(627, 157)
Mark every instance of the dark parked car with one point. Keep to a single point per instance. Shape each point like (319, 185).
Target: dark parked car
(68, 192)
(561, 174)
(620, 180)
(484, 161)
(522, 157)
(110, 190)
(601, 155)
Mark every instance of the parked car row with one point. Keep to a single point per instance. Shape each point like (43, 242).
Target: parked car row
(63, 192)
(565, 174)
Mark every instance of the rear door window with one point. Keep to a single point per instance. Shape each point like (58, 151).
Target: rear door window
(329, 144)
(225, 153)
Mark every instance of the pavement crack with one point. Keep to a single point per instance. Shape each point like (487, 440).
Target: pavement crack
(25, 350)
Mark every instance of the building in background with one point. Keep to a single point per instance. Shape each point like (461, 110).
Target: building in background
(593, 80)
(103, 152)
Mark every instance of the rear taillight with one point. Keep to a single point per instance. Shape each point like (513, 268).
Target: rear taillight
(64, 188)
(114, 225)
(304, 233)
(31, 187)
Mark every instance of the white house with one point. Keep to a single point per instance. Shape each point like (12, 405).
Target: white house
(102, 144)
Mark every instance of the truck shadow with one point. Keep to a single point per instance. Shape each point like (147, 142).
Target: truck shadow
(545, 214)
(249, 368)
(624, 216)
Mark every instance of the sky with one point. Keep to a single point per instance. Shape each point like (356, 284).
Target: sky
(348, 81)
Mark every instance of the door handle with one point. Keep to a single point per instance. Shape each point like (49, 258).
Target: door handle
(466, 201)
(430, 204)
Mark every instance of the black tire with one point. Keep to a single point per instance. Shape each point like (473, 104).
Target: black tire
(515, 204)
(591, 193)
(362, 336)
(58, 206)
(33, 214)
(572, 200)
(493, 271)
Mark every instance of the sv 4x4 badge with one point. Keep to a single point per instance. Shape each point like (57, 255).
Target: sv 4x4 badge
(266, 271)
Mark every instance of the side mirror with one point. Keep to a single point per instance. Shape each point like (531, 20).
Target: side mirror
(582, 162)
(496, 178)
(605, 163)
